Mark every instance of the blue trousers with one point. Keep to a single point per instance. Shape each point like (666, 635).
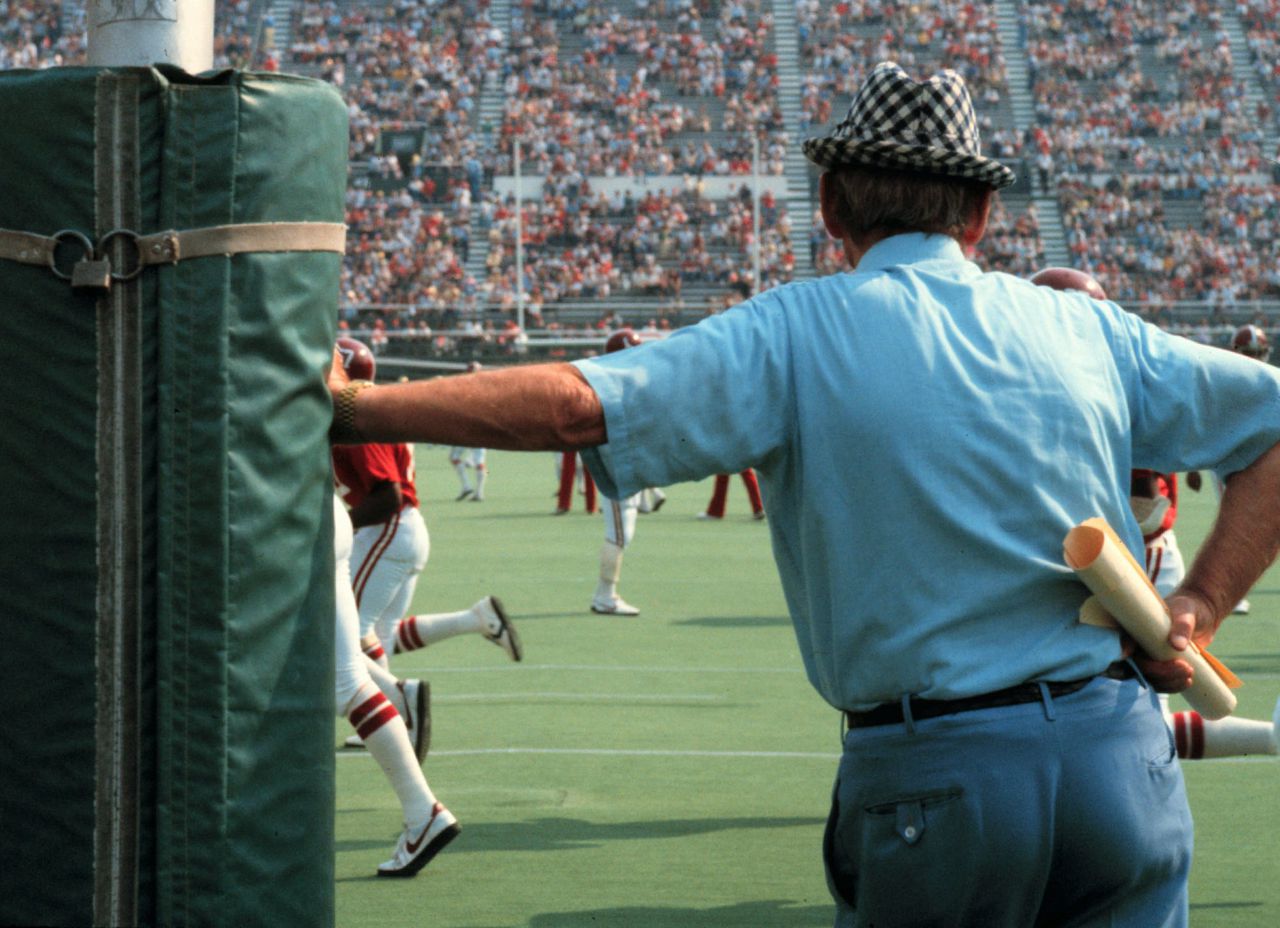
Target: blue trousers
(1064, 812)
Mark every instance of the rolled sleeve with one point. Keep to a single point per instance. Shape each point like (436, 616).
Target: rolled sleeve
(1197, 407)
(711, 398)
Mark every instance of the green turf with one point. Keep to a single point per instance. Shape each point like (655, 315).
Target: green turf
(673, 770)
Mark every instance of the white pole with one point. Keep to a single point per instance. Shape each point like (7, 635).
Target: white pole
(519, 240)
(755, 214)
(140, 33)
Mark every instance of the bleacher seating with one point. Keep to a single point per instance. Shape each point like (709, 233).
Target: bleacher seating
(1143, 126)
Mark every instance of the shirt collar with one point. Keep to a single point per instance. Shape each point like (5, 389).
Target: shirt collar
(910, 248)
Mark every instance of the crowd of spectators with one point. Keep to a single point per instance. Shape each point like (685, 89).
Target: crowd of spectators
(590, 87)
(840, 41)
(1139, 108)
(1118, 232)
(578, 244)
(33, 34)
(1141, 87)
(407, 63)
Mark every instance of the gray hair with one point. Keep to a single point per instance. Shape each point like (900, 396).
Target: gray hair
(873, 200)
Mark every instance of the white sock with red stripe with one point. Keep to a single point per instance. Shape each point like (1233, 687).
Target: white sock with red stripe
(374, 650)
(1196, 737)
(419, 631)
(382, 730)
(386, 681)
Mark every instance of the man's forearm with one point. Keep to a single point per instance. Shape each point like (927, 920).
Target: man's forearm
(1245, 537)
(542, 407)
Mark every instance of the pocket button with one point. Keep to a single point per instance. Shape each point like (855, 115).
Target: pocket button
(910, 821)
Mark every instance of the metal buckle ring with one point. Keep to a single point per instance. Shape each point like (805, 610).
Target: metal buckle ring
(60, 238)
(128, 235)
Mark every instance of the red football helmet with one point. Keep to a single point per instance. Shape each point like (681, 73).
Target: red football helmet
(623, 338)
(1252, 342)
(1068, 278)
(357, 359)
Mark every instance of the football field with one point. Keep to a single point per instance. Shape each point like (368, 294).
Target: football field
(673, 770)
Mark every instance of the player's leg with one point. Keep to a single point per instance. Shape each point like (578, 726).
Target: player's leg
(719, 496)
(564, 496)
(487, 618)
(752, 484)
(1194, 736)
(656, 498)
(589, 491)
(458, 461)
(428, 825)
(619, 529)
(373, 650)
(389, 590)
(412, 699)
(482, 472)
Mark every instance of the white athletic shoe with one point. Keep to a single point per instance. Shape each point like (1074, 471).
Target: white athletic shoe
(415, 706)
(463, 495)
(708, 517)
(353, 741)
(618, 606)
(418, 844)
(498, 628)
(1242, 608)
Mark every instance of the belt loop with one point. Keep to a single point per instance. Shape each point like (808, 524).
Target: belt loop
(907, 718)
(1046, 699)
(1137, 673)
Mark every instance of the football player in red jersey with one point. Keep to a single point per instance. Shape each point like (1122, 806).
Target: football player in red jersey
(1154, 499)
(390, 549)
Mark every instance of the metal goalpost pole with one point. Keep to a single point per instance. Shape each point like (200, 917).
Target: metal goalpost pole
(755, 214)
(138, 33)
(519, 239)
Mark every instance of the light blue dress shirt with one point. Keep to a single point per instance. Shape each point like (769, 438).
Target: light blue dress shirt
(927, 434)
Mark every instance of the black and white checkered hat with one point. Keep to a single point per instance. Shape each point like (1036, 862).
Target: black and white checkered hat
(926, 126)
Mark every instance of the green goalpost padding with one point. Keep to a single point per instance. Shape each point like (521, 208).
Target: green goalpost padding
(170, 248)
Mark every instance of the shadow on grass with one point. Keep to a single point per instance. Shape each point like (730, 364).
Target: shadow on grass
(734, 621)
(1226, 905)
(766, 913)
(557, 834)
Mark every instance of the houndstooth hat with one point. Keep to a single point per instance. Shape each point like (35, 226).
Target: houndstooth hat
(925, 126)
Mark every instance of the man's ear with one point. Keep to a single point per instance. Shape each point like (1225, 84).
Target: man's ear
(826, 200)
(976, 226)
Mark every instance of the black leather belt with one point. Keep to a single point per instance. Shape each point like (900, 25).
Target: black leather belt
(890, 713)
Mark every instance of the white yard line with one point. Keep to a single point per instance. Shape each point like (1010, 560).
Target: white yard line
(618, 752)
(580, 697)
(520, 668)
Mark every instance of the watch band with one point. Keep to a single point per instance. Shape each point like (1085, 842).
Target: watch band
(344, 431)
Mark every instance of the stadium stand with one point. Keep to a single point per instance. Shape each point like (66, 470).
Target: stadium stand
(1145, 131)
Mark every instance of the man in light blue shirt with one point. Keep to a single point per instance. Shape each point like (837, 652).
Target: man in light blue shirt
(927, 434)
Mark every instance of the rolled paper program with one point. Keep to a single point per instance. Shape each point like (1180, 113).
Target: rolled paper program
(1101, 560)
